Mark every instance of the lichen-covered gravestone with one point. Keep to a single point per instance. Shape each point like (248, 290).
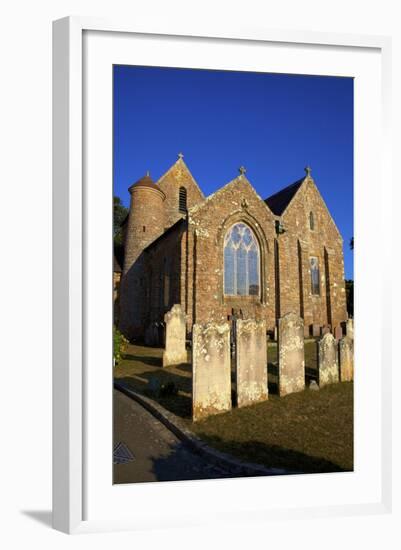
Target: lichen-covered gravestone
(291, 358)
(175, 352)
(328, 362)
(346, 349)
(211, 369)
(251, 362)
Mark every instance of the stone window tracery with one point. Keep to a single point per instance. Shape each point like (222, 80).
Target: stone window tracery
(241, 262)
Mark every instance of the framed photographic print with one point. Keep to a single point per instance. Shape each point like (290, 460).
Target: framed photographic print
(210, 350)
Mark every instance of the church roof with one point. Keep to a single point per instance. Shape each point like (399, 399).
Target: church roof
(175, 225)
(280, 200)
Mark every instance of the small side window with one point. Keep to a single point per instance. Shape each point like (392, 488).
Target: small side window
(182, 200)
(315, 276)
(311, 221)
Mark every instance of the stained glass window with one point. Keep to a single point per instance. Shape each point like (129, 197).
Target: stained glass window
(315, 276)
(241, 262)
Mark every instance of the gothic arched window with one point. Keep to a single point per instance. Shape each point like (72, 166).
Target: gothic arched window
(241, 262)
(182, 200)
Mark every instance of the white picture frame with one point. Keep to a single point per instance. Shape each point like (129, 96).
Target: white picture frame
(73, 475)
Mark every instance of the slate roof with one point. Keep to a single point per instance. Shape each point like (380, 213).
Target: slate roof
(280, 200)
(175, 225)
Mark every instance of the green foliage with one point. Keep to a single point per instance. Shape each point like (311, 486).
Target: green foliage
(119, 215)
(349, 290)
(119, 345)
(120, 212)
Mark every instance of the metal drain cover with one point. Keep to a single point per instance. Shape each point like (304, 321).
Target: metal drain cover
(122, 454)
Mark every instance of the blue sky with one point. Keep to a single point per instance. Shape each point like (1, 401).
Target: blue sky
(273, 124)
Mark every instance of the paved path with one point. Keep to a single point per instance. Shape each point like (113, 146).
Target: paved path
(158, 454)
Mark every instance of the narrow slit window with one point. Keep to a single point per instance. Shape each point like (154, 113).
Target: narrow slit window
(182, 200)
(315, 276)
(311, 221)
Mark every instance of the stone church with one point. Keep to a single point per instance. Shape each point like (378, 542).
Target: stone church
(231, 253)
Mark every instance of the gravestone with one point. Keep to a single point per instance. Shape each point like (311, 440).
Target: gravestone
(251, 362)
(346, 352)
(349, 328)
(211, 369)
(175, 352)
(327, 360)
(291, 359)
(338, 332)
(325, 330)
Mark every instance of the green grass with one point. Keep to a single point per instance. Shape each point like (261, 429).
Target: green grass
(307, 431)
(310, 431)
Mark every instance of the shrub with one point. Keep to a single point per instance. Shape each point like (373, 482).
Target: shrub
(119, 345)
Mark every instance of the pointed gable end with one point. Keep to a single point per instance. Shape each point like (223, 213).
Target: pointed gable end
(181, 190)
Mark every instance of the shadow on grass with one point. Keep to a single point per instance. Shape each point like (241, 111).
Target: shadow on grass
(272, 456)
(148, 360)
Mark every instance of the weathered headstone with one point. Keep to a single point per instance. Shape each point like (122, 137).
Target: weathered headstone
(346, 352)
(251, 362)
(211, 369)
(349, 328)
(313, 386)
(175, 352)
(338, 332)
(325, 330)
(328, 363)
(291, 358)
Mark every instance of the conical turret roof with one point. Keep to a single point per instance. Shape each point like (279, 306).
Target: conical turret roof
(145, 181)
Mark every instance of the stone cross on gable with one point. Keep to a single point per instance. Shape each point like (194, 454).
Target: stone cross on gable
(180, 155)
(242, 170)
(308, 171)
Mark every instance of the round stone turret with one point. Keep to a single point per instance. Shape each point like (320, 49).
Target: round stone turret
(146, 218)
(146, 222)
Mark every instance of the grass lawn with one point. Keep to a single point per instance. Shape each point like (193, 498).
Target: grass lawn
(310, 431)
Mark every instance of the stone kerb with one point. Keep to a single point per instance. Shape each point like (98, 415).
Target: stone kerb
(328, 362)
(211, 369)
(291, 358)
(175, 351)
(346, 353)
(251, 362)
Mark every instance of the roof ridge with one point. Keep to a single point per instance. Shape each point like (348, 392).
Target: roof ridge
(180, 160)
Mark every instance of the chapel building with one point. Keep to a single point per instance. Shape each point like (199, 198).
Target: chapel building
(231, 253)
